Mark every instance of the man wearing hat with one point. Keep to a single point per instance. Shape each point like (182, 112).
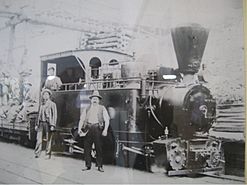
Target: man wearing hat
(93, 124)
(46, 123)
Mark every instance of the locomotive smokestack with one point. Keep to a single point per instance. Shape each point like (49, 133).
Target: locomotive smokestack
(189, 44)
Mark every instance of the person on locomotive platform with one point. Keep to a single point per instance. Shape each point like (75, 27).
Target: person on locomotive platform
(93, 124)
(46, 123)
(52, 82)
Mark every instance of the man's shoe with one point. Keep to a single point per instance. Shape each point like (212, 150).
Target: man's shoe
(47, 156)
(85, 169)
(100, 169)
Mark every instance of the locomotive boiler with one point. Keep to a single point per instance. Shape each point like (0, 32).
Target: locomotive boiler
(159, 118)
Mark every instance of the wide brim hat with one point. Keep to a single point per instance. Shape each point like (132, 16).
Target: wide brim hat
(46, 90)
(95, 94)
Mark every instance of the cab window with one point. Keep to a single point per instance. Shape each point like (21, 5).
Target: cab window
(95, 64)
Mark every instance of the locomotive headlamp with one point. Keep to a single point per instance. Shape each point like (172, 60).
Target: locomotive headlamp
(169, 77)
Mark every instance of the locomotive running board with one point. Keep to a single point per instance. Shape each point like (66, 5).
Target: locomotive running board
(194, 171)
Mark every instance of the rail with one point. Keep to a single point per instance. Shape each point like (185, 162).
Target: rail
(122, 83)
(101, 84)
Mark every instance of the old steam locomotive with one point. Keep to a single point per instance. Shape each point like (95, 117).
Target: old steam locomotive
(159, 117)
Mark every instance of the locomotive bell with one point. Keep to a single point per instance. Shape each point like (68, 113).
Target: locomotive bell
(189, 44)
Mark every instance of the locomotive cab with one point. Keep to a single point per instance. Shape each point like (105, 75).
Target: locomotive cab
(81, 72)
(68, 69)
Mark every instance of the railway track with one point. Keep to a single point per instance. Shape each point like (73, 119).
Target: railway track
(226, 177)
(18, 165)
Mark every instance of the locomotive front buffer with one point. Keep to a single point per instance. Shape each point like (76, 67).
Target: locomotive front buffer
(195, 156)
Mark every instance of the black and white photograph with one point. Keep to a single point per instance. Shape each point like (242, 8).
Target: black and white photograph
(122, 92)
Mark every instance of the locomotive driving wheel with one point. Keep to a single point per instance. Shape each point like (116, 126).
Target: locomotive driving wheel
(176, 155)
(216, 154)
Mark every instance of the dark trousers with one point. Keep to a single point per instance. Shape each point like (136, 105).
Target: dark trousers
(93, 136)
(43, 130)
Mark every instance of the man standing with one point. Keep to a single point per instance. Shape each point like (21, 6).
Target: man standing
(52, 82)
(94, 123)
(46, 123)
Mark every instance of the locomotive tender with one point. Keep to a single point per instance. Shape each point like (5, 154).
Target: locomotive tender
(159, 117)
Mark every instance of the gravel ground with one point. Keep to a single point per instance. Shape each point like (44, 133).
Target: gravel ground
(18, 165)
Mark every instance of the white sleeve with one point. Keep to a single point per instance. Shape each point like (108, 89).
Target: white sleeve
(82, 119)
(59, 82)
(105, 114)
(46, 83)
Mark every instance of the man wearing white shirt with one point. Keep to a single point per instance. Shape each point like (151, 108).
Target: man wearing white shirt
(93, 124)
(52, 82)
